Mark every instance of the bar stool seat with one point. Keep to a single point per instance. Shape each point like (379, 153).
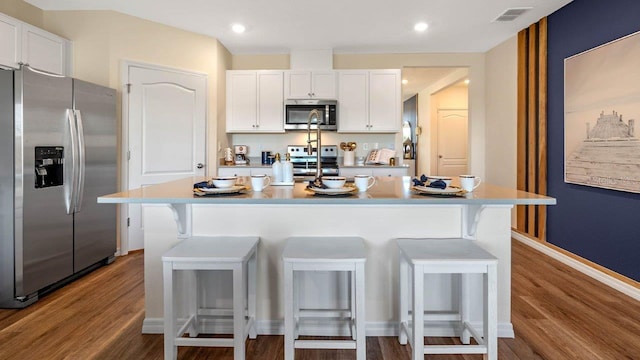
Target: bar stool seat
(447, 256)
(302, 254)
(196, 254)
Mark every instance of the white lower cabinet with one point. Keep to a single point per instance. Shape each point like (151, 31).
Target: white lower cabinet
(234, 171)
(265, 170)
(245, 171)
(397, 171)
(374, 171)
(351, 172)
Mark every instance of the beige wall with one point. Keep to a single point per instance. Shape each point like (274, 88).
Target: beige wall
(502, 79)
(502, 112)
(260, 62)
(22, 11)
(223, 140)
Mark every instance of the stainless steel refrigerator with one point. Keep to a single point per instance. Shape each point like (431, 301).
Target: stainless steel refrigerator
(58, 152)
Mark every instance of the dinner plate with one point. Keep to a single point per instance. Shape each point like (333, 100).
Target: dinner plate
(339, 191)
(449, 190)
(230, 190)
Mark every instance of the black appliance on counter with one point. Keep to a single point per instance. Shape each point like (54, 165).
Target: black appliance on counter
(304, 165)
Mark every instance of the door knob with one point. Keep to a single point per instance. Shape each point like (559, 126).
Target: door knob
(200, 165)
(440, 156)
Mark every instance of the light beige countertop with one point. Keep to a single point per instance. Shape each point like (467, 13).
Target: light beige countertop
(386, 191)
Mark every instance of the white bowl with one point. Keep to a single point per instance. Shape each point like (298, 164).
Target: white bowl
(224, 181)
(334, 182)
(446, 179)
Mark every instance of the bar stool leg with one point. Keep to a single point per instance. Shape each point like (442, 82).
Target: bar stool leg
(465, 306)
(361, 336)
(418, 313)
(289, 324)
(490, 311)
(238, 312)
(193, 294)
(296, 303)
(251, 284)
(170, 349)
(404, 301)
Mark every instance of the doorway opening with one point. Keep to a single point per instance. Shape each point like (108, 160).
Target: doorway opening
(425, 92)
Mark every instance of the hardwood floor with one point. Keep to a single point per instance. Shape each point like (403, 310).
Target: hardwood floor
(557, 313)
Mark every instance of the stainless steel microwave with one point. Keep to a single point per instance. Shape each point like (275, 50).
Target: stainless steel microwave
(296, 114)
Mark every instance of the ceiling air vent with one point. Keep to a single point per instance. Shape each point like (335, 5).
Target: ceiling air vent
(512, 14)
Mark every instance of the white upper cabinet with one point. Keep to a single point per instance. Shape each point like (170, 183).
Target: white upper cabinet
(10, 42)
(310, 84)
(43, 50)
(21, 43)
(353, 101)
(255, 101)
(369, 101)
(384, 100)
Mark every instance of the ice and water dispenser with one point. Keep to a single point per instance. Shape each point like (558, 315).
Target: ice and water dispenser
(49, 164)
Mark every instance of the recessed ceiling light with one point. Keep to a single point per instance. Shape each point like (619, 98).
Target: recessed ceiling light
(466, 81)
(238, 28)
(405, 81)
(420, 27)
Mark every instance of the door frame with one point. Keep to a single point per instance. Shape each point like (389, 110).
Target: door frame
(124, 147)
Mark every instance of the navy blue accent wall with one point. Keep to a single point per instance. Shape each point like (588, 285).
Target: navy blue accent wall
(597, 224)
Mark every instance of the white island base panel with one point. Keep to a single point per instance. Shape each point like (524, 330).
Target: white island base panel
(379, 225)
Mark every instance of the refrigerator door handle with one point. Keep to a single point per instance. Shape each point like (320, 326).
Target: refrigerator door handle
(70, 170)
(41, 72)
(81, 161)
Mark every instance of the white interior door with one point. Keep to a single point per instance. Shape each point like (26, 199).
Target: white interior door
(453, 141)
(166, 128)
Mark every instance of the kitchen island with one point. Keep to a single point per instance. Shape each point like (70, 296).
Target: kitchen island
(389, 210)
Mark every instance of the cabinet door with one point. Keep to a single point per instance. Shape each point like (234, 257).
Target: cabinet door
(350, 172)
(270, 101)
(399, 171)
(10, 42)
(263, 170)
(43, 50)
(241, 101)
(234, 171)
(297, 84)
(384, 101)
(323, 85)
(353, 101)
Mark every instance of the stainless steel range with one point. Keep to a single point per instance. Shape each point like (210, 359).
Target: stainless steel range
(304, 165)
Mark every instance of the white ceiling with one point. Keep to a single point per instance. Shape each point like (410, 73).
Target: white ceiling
(419, 78)
(346, 26)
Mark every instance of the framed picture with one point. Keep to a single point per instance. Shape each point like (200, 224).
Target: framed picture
(602, 109)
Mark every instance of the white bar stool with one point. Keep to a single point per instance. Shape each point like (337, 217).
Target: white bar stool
(447, 256)
(237, 254)
(324, 254)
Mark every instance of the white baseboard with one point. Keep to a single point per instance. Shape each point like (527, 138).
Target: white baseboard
(577, 265)
(276, 327)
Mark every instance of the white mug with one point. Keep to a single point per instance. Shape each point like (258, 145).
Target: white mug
(469, 183)
(364, 182)
(259, 182)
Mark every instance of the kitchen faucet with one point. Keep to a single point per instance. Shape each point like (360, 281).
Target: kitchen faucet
(318, 116)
